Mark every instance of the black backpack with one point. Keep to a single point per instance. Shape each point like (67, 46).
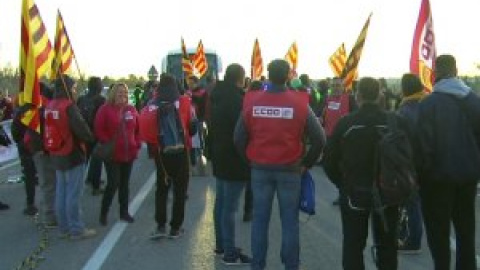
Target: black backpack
(394, 165)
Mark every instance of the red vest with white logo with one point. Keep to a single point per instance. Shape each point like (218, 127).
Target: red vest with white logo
(336, 107)
(57, 136)
(148, 125)
(275, 123)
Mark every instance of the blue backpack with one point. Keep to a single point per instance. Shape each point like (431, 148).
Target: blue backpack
(307, 194)
(170, 134)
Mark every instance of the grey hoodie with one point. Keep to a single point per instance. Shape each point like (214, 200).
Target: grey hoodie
(453, 86)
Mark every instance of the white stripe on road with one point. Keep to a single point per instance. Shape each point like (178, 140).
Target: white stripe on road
(453, 247)
(102, 252)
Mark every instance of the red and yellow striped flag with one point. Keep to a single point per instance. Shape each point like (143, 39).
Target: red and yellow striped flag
(337, 60)
(200, 61)
(36, 56)
(422, 59)
(186, 63)
(257, 61)
(63, 50)
(350, 71)
(292, 58)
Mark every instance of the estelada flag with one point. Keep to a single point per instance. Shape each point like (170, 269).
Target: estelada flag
(422, 59)
(292, 58)
(200, 61)
(351, 67)
(257, 61)
(63, 50)
(36, 56)
(337, 60)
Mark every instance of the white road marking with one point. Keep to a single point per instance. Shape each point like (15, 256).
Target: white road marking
(98, 258)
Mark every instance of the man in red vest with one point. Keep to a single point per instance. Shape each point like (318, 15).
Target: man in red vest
(338, 104)
(64, 137)
(270, 133)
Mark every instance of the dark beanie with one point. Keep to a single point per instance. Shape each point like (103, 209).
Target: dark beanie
(167, 88)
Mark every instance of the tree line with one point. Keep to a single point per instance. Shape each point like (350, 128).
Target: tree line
(10, 79)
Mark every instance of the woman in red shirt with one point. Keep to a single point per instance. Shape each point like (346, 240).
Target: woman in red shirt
(117, 120)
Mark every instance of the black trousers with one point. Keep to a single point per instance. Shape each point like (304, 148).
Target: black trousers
(29, 172)
(118, 177)
(355, 234)
(444, 203)
(172, 170)
(94, 172)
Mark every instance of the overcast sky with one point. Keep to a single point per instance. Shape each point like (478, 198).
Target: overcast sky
(117, 38)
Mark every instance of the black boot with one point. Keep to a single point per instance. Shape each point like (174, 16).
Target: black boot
(4, 206)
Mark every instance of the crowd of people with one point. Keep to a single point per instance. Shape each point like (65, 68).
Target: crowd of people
(260, 137)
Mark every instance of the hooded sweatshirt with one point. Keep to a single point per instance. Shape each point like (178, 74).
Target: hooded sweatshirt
(452, 86)
(448, 121)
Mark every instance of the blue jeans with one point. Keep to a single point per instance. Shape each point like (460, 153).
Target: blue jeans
(70, 185)
(226, 204)
(287, 186)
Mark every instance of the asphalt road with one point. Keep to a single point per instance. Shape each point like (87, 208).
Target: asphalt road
(120, 246)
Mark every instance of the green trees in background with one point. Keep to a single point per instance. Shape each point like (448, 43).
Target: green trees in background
(9, 81)
(10, 76)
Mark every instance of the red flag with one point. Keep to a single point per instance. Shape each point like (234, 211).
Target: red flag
(186, 62)
(36, 56)
(337, 60)
(257, 62)
(422, 60)
(200, 60)
(292, 58)
(350, 72)
(63, 50)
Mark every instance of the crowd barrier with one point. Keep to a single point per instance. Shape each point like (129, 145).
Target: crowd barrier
(8, 153)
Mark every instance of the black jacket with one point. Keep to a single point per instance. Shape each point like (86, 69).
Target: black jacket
(447, 128)
(349, 156)
(226, 102)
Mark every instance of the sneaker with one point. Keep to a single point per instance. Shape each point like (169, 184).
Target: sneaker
(4, 206)
(87, 233)
(127, 218)
(174, 234)
(239, 259)
(31, 210)
(159, 232)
